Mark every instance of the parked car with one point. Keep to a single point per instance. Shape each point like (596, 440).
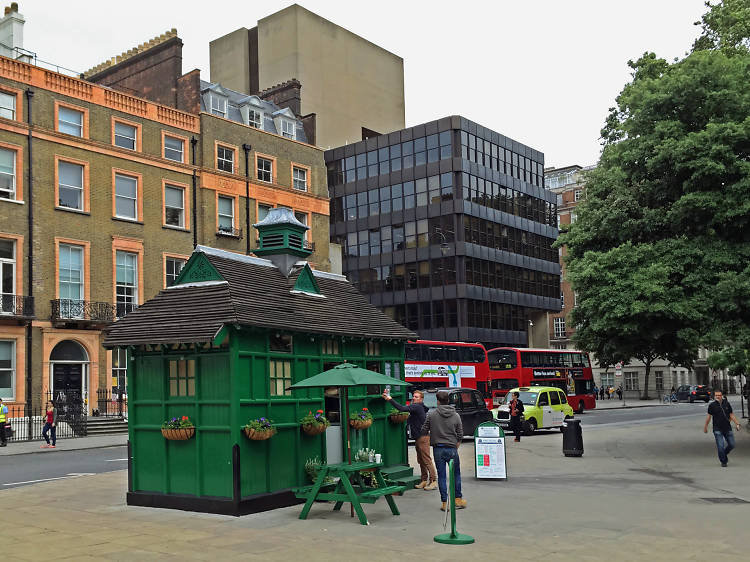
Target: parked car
(469, 404)
(544, 407)
(693, 392)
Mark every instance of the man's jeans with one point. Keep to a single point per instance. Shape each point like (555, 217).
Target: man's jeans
(720, 438)
(443, 455)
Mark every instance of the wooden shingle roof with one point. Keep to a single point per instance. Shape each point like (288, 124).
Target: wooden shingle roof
(251, 292)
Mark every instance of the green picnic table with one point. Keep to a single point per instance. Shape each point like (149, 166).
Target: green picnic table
(349, 488)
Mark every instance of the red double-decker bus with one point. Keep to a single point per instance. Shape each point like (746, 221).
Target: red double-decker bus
(441, 364)
(569, 370)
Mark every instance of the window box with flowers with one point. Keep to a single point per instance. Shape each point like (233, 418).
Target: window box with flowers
(314, 424)
(397, 416)
(260, 429)
(361, 419)
(178, 429)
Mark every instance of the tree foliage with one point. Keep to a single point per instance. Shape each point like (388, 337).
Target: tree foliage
(660, 253)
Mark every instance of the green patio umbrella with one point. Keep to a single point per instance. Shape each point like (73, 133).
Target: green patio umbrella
(344, 376)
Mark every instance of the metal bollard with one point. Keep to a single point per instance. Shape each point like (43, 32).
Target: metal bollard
(454, 537)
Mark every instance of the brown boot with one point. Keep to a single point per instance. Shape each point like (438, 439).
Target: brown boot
(432, 485)
(460, 503)
(442, 506)
(422, 484)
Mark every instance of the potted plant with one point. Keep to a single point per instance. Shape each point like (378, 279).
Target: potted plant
(314, 424)
(178, 429)
(361, 419)
(260, 429)
(397, 416)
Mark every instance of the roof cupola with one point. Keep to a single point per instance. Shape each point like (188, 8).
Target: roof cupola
(282, 239)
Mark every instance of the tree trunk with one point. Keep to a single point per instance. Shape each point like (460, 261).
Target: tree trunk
(645, 395)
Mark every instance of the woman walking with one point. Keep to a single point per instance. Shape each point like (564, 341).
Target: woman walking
(50, 423)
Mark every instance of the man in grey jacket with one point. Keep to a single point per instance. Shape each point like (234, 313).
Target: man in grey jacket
(446, 432)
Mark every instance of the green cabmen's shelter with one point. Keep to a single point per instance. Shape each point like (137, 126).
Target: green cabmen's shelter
(222, 346)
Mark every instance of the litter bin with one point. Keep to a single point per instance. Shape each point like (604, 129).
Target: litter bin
(572, 439)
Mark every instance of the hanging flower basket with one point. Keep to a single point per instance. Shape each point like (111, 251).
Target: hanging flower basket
(314, 424)
(260, 429)
(360, 424)
(361, 419)
(398, 417)
(180, 434)
(260, 434)
(311, 429)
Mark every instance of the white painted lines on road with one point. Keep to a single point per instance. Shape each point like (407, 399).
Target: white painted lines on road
(70, 475)
(115, 460)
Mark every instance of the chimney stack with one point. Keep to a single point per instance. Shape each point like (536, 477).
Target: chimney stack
(11, 34)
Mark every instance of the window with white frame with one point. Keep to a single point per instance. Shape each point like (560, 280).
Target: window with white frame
(287, 129)
(225, 159)
(263, 211)
(125, 135)
(607, 379)
(255, 118)
(226, 214)
(562, 299)
(573, 217)
(559, 326)
(70, 185)
(70, 121)
(126, 282)
(7, 105)
(265, 169)
(126, 197)
(173, 268)
(174, 149)
(174, 206)
(631, 380)
(299, 177)
(7, 174)
(659, 380)
(577, 194)
(7, 369)
(7, 276)
(70, 279)
(119, 371)
(218, 105)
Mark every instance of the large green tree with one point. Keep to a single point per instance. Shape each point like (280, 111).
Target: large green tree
(660, 253)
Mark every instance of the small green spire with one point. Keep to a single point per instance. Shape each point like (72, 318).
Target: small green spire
(281, 233)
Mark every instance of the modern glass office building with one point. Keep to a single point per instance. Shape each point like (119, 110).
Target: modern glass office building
(448, 228)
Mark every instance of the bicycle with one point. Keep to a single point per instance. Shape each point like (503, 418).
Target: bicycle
(670, 398)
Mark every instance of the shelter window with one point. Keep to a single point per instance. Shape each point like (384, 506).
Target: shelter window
(330, 347)
(280, 343)
(372, 348)
(280, 377)
(182, 377)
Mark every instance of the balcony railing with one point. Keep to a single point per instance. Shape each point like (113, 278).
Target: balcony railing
(231, 232)
(87, 311)
(16, 305)
(122, 308)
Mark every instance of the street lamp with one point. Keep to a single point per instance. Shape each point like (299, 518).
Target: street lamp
(444, 244)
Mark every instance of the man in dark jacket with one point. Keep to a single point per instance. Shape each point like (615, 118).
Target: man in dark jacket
(417, 414)
(516, 415)
(446, 431)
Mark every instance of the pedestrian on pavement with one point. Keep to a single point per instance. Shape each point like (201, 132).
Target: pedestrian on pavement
(610, 390)
(619, 392)
(417, 414)
(3, 417)
(50, 425)
(446, 431)
(516, 415)
(596, 392)
(721, 412)
(601, 392)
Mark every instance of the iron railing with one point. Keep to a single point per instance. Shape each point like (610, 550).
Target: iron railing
(111, 404)
(25, 423)
(69, 309)
(16, 305)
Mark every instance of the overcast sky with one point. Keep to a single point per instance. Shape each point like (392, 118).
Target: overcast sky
(543, 72)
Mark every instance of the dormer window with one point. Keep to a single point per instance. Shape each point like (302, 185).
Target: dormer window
(218, 105)
(255, 119)
(287, 129)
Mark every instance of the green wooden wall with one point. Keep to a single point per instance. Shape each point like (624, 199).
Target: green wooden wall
(232, 387)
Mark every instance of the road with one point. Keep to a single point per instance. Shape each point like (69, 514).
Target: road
(24, 470)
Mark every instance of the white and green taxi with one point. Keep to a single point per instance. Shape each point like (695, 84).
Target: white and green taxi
(544, 407)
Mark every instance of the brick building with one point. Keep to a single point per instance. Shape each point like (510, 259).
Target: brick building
(104, 195)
